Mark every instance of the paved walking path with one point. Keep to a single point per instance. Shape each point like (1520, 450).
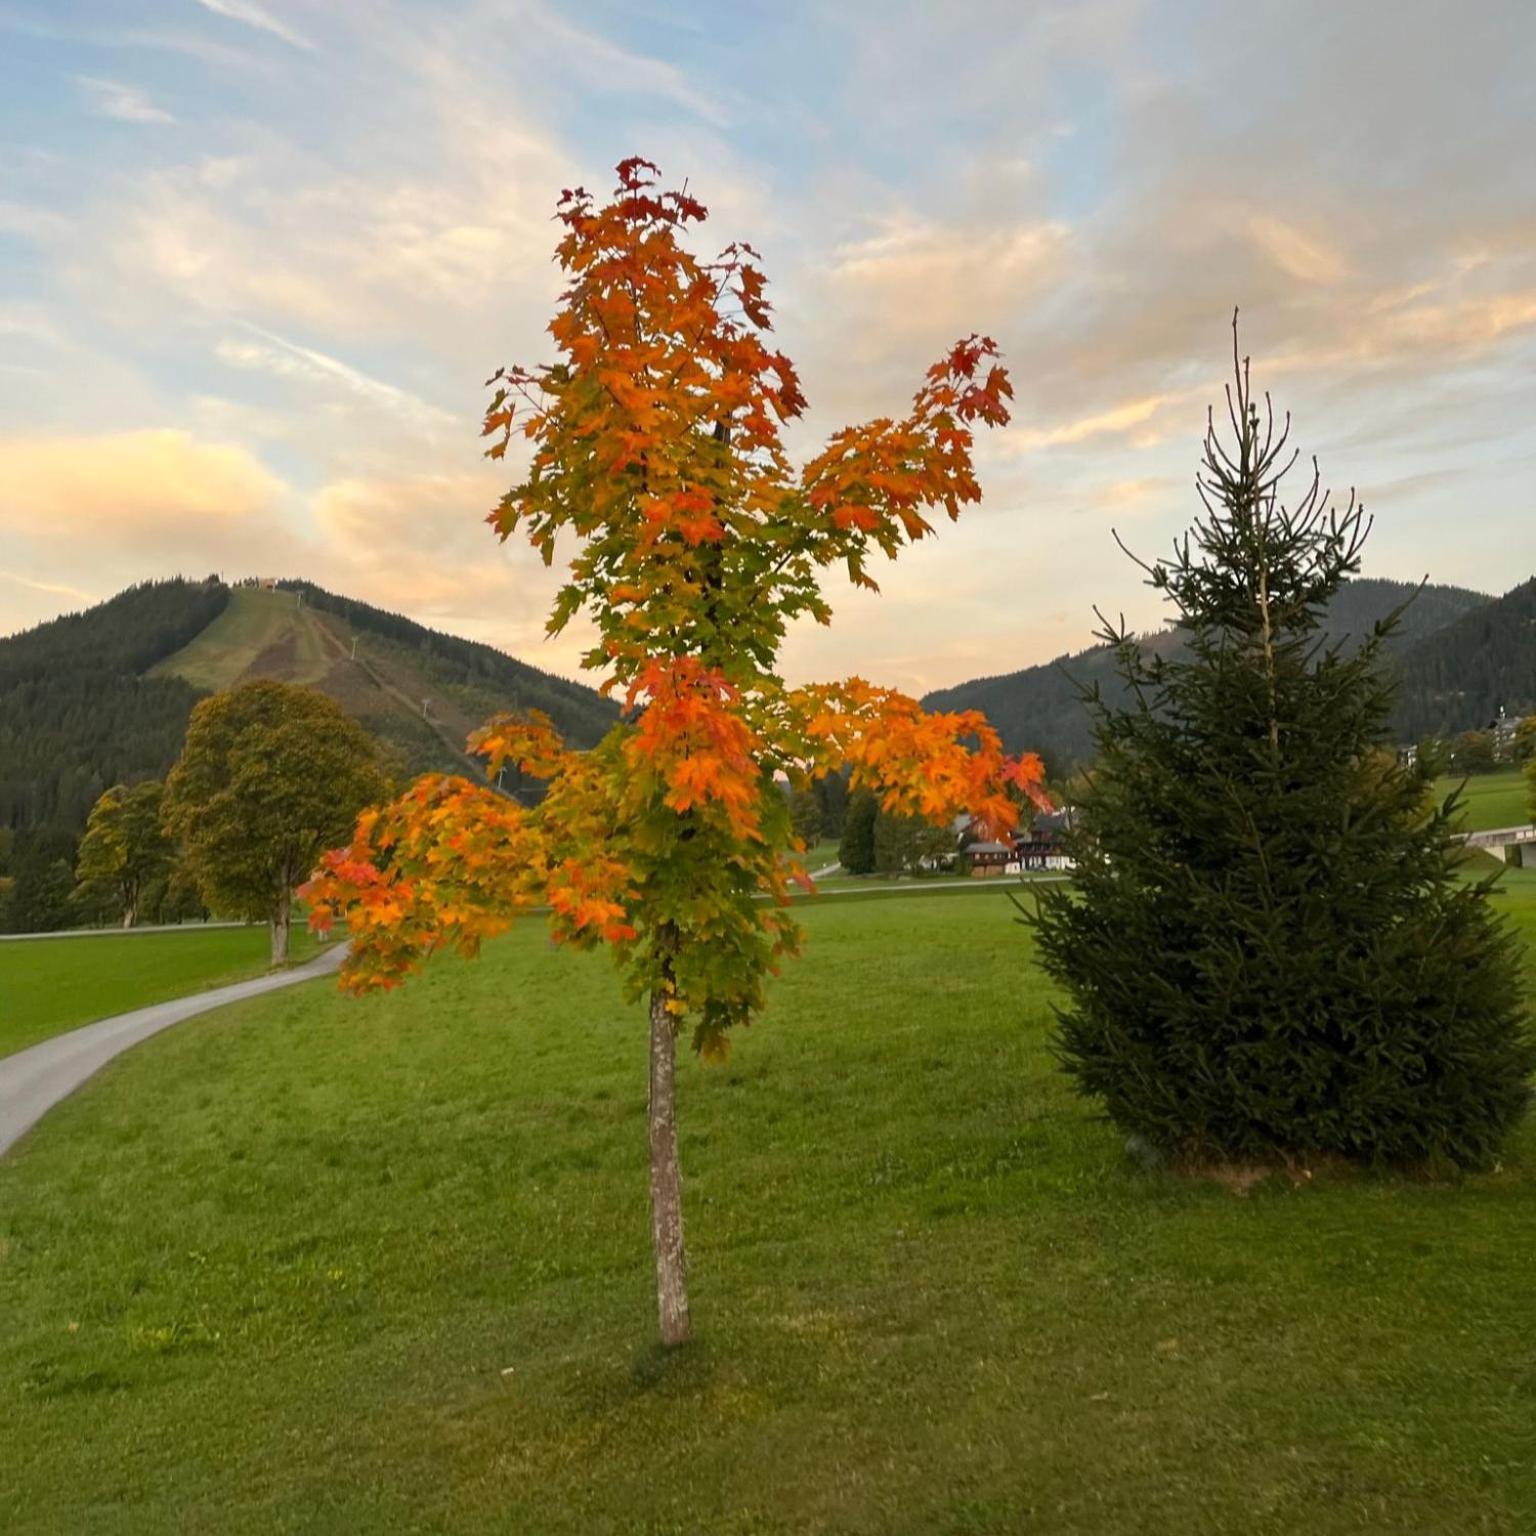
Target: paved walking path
(120, 933)
(34, 1080)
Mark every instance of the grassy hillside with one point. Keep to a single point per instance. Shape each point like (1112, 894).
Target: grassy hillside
(1041, 708)
(419, 691)
(260, 633)
(48, 986)
(309, 1264)
(1491, 800)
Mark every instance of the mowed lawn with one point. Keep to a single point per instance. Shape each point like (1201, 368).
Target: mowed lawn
(50, 985)
(1491, 800)
(315, 1265)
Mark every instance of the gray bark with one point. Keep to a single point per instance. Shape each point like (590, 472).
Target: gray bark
(667, 1179)
(281, 919)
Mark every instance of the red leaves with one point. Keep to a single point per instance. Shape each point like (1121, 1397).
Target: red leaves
(632, 175)
(750, 291)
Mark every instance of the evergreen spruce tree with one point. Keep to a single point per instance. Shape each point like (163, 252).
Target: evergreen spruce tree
(1269, 952)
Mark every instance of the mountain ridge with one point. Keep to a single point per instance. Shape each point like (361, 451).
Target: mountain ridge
(1040, 708)
(102, 696)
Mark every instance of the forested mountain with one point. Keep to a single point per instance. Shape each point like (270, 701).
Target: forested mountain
(102, 697)
(1041, 708)
(78, 711)
(1459, 677)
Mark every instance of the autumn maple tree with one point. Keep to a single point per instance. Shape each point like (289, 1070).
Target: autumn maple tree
(654, 443)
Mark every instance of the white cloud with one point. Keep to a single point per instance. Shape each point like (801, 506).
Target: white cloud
(124, 103)
(258, 16)
(288, 359)
(602, 65)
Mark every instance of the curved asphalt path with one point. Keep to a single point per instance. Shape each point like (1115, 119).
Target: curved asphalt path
(34, 1080)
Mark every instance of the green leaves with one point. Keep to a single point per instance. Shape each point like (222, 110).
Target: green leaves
(271, 775)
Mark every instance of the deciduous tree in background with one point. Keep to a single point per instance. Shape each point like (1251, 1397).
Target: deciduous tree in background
(909, 845)
(271, 776)
(805, 815)
(1473, 752)
(125, 852)
(856, 848)
(655, 444)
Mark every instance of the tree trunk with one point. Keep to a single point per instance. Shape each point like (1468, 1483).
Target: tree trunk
(667, 1179)
(281, 918)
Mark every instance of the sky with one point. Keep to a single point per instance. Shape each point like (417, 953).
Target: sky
(257, 258)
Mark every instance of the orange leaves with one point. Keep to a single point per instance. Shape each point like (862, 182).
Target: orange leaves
(692, 739)
(689, 511)
(446, 865)
(1026, 773)
(528, 741)
(936, 766)
(654, 454)
(865, 518)
(878, 479)
(589, 898)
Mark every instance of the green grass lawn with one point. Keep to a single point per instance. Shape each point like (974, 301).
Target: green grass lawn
(50, 985)
(1492, 799)
(314, 1265)
(819, 855)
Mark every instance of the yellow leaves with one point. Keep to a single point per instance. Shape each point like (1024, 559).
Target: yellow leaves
(713, 1045)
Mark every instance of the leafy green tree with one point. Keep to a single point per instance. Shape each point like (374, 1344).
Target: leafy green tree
(1472, 752)
(856, 848)
(909, 845)
(125, 854)
(271, 776)
(42, 884)
(1269, 952)
(831, 793)
(805, 814)
(177, 897)
(1523, 748)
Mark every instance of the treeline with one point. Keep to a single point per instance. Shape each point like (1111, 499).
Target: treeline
(583, 715)
(76, 713)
